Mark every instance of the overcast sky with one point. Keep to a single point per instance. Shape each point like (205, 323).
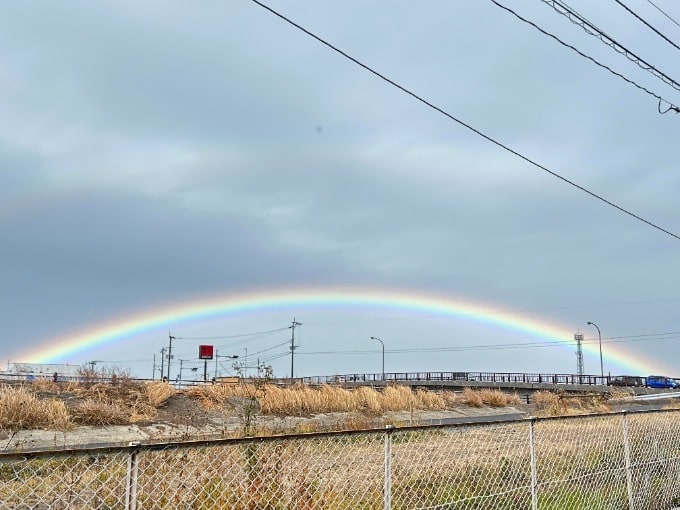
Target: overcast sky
(159, 153)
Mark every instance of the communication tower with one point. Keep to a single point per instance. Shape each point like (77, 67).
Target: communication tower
(579, 353)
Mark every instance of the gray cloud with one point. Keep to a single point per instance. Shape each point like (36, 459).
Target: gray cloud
(156, 152)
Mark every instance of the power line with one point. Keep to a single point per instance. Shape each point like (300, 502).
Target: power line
(273, 357)
(604, 66)
(663, 12)
(674, 335)
(286, 342)
(644, 335)
(590, 29)
(224, 337)
(669, 335)
(647, 24)
(460, 122)
(269, 348)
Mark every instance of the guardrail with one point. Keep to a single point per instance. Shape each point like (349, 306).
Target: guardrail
(485, 377)
(368, 378)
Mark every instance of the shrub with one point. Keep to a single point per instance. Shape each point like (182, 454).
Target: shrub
(449, 398)
(368, 399)
(496, 398)
(97, 412)
(546, 399)
(429, 400)
(21, 409)
(158, 393)
(44, 385)
(472, 398)
(397, 398)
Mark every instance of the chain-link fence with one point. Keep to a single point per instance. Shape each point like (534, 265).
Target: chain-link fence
(613, 461)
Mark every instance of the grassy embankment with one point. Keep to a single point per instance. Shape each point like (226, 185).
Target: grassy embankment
(60, 406)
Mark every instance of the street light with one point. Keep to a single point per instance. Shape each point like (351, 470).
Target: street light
(599, 336)
(383, 355)
(218, 356)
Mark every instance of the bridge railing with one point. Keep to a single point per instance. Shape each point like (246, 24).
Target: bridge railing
(369, 378)
(483, 377)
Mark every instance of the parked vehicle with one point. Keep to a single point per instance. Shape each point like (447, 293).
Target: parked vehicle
(660, 381)
(627, 380)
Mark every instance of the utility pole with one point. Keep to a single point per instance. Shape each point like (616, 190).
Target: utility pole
(170, 338)
(162, 363)
(153, 369)
(217, 356)
(292, 347)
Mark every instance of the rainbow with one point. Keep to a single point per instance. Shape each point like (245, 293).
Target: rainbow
(62, 348)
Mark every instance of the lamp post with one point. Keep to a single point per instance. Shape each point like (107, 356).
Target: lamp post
(383, 355)
(599, 336)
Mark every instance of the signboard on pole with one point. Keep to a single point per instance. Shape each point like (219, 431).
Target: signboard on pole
(205, 351)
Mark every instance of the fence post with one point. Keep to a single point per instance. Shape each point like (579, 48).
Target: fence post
(387, 488)
(626, 452)
(532, 456)
(131, 479)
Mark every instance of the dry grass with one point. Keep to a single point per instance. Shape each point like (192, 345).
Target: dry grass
(548, 403)
(119, 402)
(22, 409)
(488, 397)
(472, 398)
(545, 399)
(616, 393)
(554, 404)
(44, 386)
(97, 412)
(496, 398)
(125, 401)
(301, 400)
(158, 393)
(218, 396)
(450, 398)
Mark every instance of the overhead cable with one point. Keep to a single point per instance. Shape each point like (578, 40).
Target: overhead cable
(671, 106)
(590, 29)
(662, 12)
(222, 337)
(468, 126)
(273, 357)
(639, 18)
(491, 347)
(269, 348)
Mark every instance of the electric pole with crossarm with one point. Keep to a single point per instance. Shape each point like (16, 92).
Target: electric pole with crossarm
(293, 347)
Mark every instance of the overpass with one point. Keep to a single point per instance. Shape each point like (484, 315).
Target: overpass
(511, 381)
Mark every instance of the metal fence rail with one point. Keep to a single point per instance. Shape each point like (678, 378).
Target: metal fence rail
(368, 378)
(481, 377)
(613, 461)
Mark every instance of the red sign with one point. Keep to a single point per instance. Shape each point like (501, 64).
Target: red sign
(205, 352)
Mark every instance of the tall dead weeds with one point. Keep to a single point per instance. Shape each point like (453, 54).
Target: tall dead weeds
(22, 409)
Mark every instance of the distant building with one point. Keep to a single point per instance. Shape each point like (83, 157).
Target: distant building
(31, 371)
